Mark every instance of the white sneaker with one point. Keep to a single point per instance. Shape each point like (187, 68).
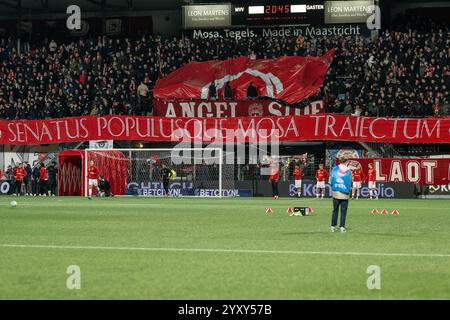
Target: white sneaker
(342, 229)
(333, 229)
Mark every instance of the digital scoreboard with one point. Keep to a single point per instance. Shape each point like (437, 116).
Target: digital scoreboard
(278, 14)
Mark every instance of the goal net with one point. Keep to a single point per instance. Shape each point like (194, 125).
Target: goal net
(139, 172)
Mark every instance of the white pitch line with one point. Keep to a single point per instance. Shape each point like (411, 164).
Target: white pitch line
(176, 205)
(331, 253)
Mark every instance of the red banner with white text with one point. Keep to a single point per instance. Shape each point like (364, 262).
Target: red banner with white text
(288, 78)
(288, 128)
(229, 108)
(430, 171)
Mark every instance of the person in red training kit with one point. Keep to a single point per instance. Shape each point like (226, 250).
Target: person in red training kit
(93, 175)
(274, 178)
(321, 176)
(43, 180)
(298, 172)
(19, 174)
(357, 178)
(372, 176)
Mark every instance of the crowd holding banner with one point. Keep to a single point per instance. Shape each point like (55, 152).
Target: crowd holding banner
(291, 79)
(316, 127)
(229, 108)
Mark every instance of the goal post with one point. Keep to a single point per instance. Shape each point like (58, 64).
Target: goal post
(198, 172)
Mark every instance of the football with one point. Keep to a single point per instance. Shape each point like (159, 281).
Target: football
(13, 204)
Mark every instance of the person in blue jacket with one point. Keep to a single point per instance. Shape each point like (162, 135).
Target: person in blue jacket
(341, 181)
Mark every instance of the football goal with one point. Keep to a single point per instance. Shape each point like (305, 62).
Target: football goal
(200, 172)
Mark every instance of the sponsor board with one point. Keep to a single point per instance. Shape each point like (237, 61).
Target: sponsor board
(348, 11)
(287, 189)
(6, 187)
(209, 16)
(309, 190)
(250, 188)
(280, 32)
(155, 189)
(436, 191)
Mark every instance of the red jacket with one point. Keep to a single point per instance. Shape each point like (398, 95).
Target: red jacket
(322, 175)
(44, 174)
(19, 173)
(358, 175)
(274, 172)
(298, 174)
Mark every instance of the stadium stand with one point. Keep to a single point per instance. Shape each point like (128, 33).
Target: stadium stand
(403, 72)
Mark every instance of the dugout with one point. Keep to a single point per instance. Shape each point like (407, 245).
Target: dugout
(72, 178)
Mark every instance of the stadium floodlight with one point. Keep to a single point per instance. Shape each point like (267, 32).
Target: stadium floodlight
(200, 172)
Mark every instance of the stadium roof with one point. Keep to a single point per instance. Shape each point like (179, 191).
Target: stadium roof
(59, 6)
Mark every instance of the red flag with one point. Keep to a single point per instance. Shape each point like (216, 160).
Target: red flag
(291, 79)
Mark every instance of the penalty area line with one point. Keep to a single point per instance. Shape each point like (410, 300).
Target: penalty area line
(205, 250)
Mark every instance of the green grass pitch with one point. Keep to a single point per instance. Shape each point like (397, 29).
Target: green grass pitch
(189, 248)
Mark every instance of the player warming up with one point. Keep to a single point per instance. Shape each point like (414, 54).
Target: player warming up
(274, 177)
(93, 175)
(321, 176)
(373, 192)
(357, 177)
(298, 180)
(19, 174)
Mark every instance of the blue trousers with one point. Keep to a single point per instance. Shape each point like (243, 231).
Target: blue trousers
(336, 204)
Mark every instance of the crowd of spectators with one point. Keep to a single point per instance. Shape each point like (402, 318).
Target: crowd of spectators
(401, 72)
(404, 72)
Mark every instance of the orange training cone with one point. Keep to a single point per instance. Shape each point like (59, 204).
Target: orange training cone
(310, 210)
(290, 210)
(269, 210)
(375, 211)
(384, 211)
(395, 212)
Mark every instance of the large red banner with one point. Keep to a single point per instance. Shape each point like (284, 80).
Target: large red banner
(229, 108)
(287, 128)
(291, 79)
(430, 171)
